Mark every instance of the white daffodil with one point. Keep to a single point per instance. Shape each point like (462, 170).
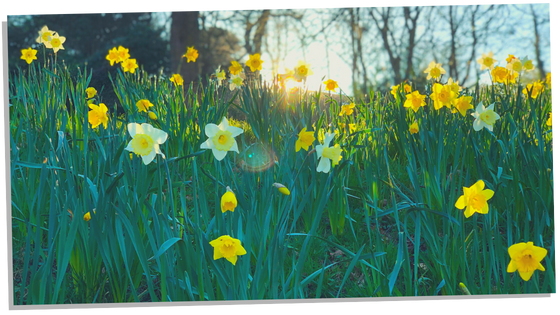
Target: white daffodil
(484, 117)
(45, 35)
(221, 139)
(236, 81)
(326, 153)
(220, 75)
(145, 141)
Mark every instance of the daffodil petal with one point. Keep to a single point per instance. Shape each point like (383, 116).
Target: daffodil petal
(134, 128)
(235, 131)
(208, 144)
(147, 159)
(218, 154)
(512, 267)
(210, 130)
(234, 147)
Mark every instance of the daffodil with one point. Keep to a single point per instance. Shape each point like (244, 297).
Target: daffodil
(347, 109)
(548, 77)
(510, 58)
(29, 55)
(302, 71)
(549, 120)
(220, 75)
(152, 115)
(484, 117)
(177, 79)
(305, 139)
(463, 103)
(434, 70)
(221, 139)
(123, 54)
(55, 43)
(91, 92)
(526, 258)
(145, 141)
(414, 128)
(235, 68)
(394, 89)
(228, 202)
(143, 105)
(129, 65)
(351, 127)
(415, 100)
(499, 74)
(254, 62)
(474, 199)
(326, 153)
(535, 88)
(191, 54)
(527, 64)
(515, 65)
(98, 115)
(442, 95)
(487, 61)
(454, 86)
(87, 216)
(113, 56)
(45, 35)
(331, 85)
(282, 189)
(236, 81)
(227, 247)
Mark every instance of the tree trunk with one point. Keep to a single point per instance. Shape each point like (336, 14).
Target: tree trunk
(538, 56)
(184, 33)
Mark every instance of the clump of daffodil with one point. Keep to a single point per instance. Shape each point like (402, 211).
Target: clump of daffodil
(394, 89)
(548, 79)
(415, 100)
(463, 103)
(236, 81)
(434, 70)
(220, 75)
(254, 62)
(235, 68)
(535, 88)
(526, 258)
(487, 61)
(331, 85)
(122, 54)
(55, 43)
(347, 109)
(87, 216)
(302, 71)
(414, 128)
(145, 141)
(29, 55)
(143, 105)
(485, 117)
(45, 35)
(221, 139)
(305, 139)
(228, 202)
(152, 115)
(474, 199)
(91, 92)
(129, 65)
(227, 247)
(442, 95)
(177, 79)
(98, 115)
(282, 189)
(515, 65)
(326, 153)
(191, 54)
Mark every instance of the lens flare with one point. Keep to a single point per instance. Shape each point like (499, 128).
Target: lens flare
(257, 158)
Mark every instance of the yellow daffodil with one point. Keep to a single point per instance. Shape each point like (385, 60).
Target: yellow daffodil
(236, 81)
(475, 199)
(347, 109)
(415, 100)
(454, 86)
(91, 92)
(45, 35)
(550, 80)
(129, 65)
(442, 95)
(152, 115)
(29, 55)
(254, 62)
(177, 79)
(145, 141)
(527, 64)
(302, 71)
(326, 153)
(235, 68)
(87, 216)
(351, 127)
(414, 128)
(113, 56)
(526, 258)
(98, 115)
(282, 189)
(227, 247)
(123, 54)
(535, 88)
(331, 85)
(503, 75)
(463, 103)
(487, 61)
(394, 89)
(221, 139)
(55, 43)
(484, 117)
(434, 70)
(220, 75)
(549, 120)
(305, 139)
(510, 58)
(228, 202)
(143, 105)
(515, 65)
(191, 54)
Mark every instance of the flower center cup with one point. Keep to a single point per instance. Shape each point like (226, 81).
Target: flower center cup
(223, 140)
(55, 42)
(142, 144)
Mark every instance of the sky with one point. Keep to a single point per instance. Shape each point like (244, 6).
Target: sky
(332, 66)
